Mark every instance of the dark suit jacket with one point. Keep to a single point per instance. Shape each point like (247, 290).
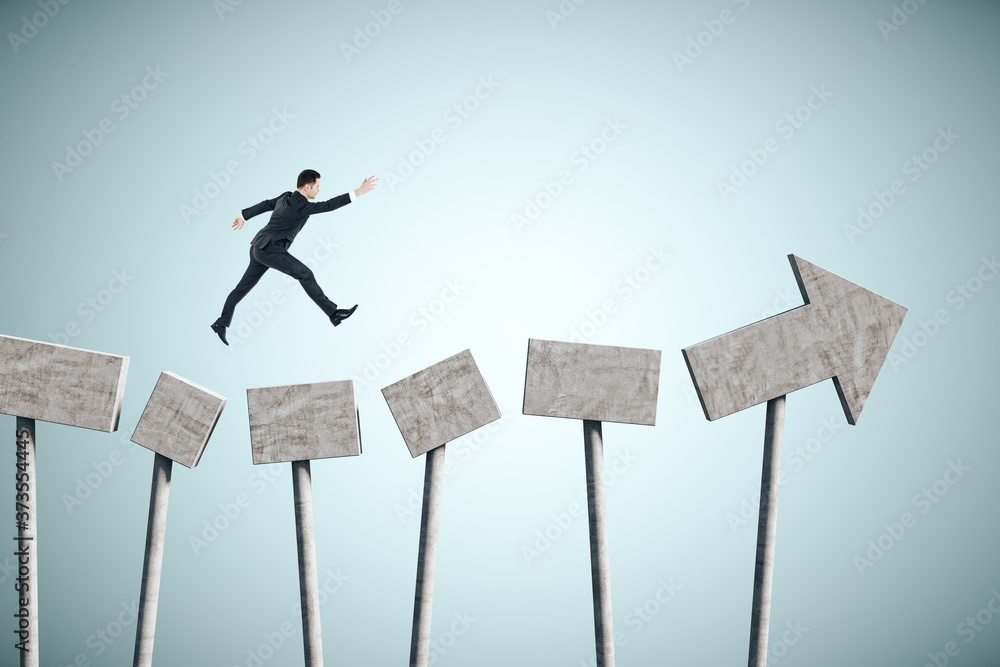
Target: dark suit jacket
(290, 212)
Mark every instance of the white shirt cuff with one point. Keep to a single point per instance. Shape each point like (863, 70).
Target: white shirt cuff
(351, 192)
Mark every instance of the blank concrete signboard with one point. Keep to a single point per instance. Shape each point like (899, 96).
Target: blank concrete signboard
(433, 407)
(178, 419)
(596, 382)
(64, 385)
(298, 423)
(441, 403)
(60, 384)
(302, 422)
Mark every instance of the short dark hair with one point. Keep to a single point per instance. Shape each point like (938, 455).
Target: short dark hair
(306, 177)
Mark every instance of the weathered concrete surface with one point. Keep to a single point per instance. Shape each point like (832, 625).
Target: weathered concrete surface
(60, 384)
(596, 382)
(430, 520)
(27, 537)
(843, 332)
(152, 563)
(600, 555)
(767, 528)
(441, 403)
(305, 546)
(178, 419)
(301, 422)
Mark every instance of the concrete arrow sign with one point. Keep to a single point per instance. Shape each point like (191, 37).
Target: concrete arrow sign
(842, 332)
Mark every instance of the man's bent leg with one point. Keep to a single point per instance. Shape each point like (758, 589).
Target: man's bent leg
(277, 257)
(250, 278)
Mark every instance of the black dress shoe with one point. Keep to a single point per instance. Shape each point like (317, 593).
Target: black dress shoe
(221, 330)
(340, 315)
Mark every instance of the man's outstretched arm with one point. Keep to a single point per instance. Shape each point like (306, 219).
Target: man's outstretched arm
(342, 200)
(247, 213)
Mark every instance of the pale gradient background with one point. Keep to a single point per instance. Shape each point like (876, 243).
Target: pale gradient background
(681, 488)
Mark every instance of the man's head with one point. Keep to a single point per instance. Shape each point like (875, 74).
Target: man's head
(308, 183)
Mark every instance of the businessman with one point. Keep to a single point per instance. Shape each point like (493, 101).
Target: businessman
(269, 248)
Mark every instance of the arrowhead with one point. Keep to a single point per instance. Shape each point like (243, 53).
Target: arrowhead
(860, 325)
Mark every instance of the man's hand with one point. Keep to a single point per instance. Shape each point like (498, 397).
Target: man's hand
(239, 222)
(367, 186)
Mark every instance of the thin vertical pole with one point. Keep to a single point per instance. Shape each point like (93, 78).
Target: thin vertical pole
(26, 517)
(305, 540)
(152, 564)
(767, 524)
(600, 566)
(430, 519)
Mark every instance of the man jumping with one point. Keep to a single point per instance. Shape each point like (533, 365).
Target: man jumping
(269, 248)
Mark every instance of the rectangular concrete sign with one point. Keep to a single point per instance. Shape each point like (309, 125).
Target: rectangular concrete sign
(60, 384)
(178, 419)
(594, 382)
(302, 422)
(441, 403)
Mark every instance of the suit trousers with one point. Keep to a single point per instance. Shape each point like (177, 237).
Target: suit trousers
(274, 255)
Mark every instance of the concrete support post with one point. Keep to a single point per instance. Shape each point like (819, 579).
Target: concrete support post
(767, 525)
(430, 519)
(600, 566)
(26, 517)
(152, 564)
(305, 540)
